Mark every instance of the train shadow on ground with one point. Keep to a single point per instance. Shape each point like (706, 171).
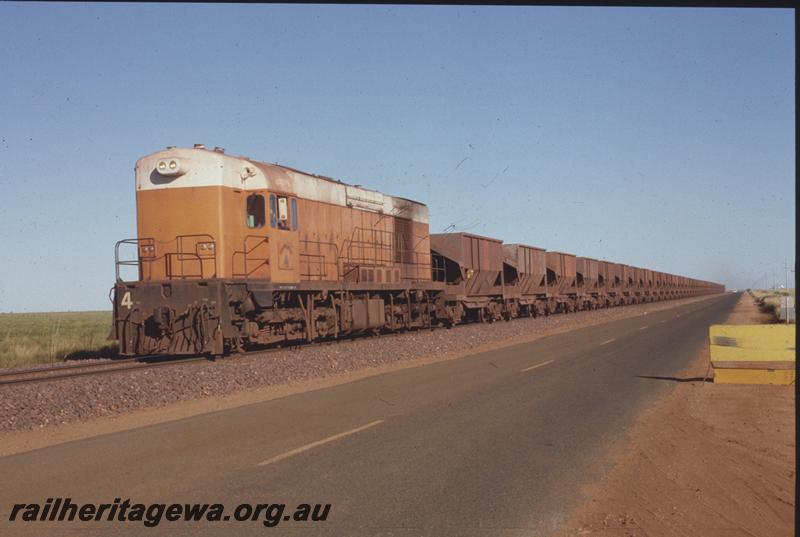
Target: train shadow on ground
(109, 351)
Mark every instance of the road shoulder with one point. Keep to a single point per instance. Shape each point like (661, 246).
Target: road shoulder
(706, 460)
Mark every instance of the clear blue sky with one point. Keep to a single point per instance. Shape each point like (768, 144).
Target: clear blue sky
(657, 137)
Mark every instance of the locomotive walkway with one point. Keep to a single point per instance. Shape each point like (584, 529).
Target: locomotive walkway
(496, 443)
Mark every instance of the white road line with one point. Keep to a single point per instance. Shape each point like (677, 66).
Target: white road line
(537, 365)
(312, 445)
(662, 322)
(606, 342)
(642, 327)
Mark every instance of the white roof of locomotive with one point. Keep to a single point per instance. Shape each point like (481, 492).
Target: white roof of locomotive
(200, 167)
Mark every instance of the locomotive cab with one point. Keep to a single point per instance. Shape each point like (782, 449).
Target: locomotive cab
(271, 222)
(202, 217)
(202, 214)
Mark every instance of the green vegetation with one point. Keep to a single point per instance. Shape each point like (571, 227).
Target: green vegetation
(35, 338)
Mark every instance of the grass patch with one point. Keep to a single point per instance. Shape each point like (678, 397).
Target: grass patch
(36, 338)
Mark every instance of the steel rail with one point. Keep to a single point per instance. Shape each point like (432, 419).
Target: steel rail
(52, 373)
(34, 375)
(60, 367)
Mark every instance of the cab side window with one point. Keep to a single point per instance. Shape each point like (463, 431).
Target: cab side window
(273, 210)
(256, 213)
(283, 212)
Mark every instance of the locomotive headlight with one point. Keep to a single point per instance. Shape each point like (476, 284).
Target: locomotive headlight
(171, 167)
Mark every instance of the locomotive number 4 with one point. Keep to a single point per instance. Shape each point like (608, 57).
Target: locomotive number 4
(126, 300)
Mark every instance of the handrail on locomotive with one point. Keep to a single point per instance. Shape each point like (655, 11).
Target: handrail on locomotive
(383, 251)
(146, 253)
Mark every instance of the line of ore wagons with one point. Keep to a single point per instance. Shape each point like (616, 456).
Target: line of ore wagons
(541, 281)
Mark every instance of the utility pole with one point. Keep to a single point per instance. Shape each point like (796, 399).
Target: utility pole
(786, 269)
(785, 299)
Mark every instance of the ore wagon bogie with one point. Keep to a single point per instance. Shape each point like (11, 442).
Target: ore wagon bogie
(233, 253)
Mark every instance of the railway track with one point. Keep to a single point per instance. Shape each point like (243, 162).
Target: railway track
(60, 372)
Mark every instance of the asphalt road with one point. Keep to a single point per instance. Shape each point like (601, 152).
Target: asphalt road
(496, 443)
